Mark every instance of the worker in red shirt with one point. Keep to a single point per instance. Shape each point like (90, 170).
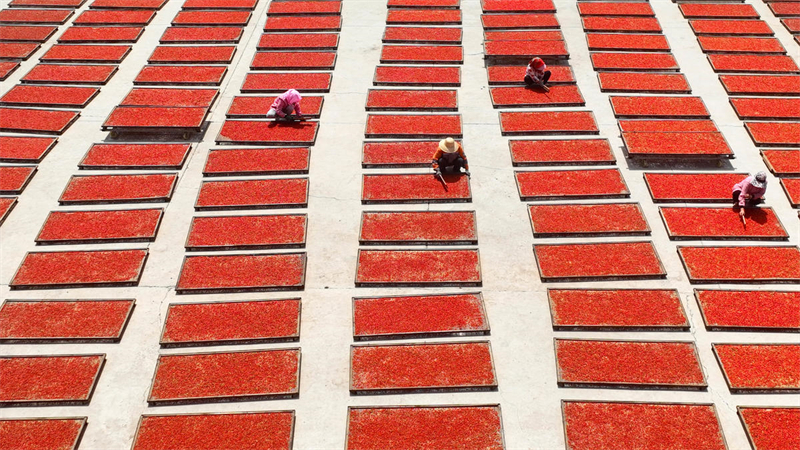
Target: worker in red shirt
(286, 106)
(536, 74)
(449, 156)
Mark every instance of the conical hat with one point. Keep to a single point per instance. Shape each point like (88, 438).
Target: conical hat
(448, 145)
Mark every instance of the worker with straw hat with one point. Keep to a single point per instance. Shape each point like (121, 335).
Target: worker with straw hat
(536, 74)
(449, 157)
(750, 191)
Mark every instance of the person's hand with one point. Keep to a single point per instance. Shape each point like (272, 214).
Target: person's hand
(741, 212)
(437, 171)
(747, 196)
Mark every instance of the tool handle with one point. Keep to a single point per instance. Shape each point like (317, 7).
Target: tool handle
(441, 178)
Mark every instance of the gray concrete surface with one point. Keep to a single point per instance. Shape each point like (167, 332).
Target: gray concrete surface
(516, 302)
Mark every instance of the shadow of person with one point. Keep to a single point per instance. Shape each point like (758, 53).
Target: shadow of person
(757, 215)
(297, 124)
(754, 214)
(536, 88)
(453, 177)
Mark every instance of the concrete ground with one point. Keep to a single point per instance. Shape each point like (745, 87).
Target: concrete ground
(516, 301)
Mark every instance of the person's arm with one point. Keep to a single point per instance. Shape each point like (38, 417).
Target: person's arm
(435, 160)
(464, 156)
(279, 105)
(297, 109)
(746, 193)
(743, 199)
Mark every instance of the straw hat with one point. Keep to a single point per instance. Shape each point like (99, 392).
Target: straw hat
(448, 145)
(760, 180)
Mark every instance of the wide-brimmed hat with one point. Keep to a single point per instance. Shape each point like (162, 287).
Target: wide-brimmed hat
(760, 180)
(448, 145)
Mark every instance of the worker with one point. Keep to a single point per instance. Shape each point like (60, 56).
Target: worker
(286, 106)
(536, 75)
(450, 156)
(750, 191)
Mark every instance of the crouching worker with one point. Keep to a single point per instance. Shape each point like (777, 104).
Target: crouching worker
(450, 157)
(536, 75)
(749, 192)
(286, 107)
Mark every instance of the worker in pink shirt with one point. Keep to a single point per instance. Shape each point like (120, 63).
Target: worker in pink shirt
(286, 106)
(749, 192)
(536, 74)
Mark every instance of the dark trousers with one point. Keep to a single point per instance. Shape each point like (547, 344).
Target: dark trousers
(529, 81)
(454, 166)
(749, 202)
